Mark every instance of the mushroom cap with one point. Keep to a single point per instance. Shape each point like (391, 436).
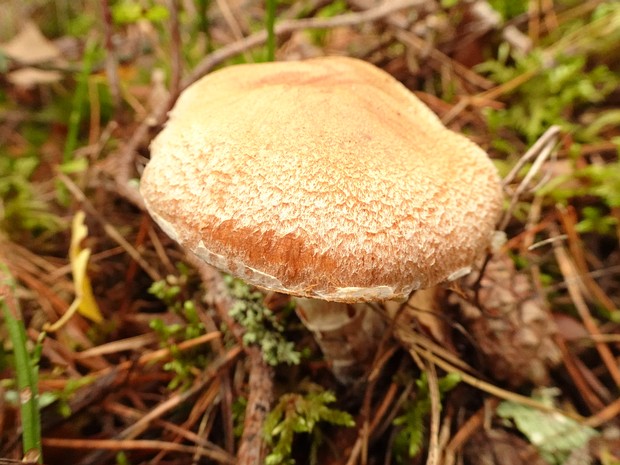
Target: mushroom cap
(323, 178)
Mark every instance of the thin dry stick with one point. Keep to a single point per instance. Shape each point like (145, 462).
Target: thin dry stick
(386, 410)
(161, 354)
(548, 138)
(490, 388)
(445, 434)
(433, 391)
(134, 444)
(204, 403)
(541, 150)
(607, 414)
(230, 19)
(359, 450)
(573, 368)
(217, 294)
(182, 433)
(125, 157)
(285, 27)
(130, 343)
(416, 339)
(572, 278)
(176, 57)
(108, 228)
(94, 126)
(533, 26)
(384, 353)
(412, 40)
(568, 218)
(226, 394)
(111, 63)
(473, 424)
(252, 447)
(175, 400)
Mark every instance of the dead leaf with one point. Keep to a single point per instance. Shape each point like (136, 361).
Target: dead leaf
(84, 302)
(30, 47)
(87, 305)
(30, 77)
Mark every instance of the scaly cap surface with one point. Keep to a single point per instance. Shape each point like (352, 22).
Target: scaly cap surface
(323, 178)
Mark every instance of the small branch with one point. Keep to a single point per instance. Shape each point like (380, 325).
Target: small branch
(176, 57)
(111, 63)
(285, 27)
(540, 152)
(573, 282)
(433, 391)
(252, 446)
(117, 445)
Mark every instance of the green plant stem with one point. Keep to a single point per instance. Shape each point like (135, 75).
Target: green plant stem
(26, 373)
(75, 117)
(270, 24)
(204, 22)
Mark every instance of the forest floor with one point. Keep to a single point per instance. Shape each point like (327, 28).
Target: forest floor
(129, 342)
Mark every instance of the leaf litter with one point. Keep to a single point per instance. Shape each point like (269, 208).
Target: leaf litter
(114, 384)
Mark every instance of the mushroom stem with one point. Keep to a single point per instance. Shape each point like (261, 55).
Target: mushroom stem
(348, 334)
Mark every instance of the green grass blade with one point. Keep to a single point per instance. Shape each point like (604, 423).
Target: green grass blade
(270, 24)
(79, 99)
(26, 373)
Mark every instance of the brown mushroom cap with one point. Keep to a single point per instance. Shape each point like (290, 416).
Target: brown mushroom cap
(324, 178)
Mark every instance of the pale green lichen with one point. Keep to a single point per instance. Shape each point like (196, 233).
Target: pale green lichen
(262, 326)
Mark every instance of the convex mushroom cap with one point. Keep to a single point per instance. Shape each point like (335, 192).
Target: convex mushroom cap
(323, 178)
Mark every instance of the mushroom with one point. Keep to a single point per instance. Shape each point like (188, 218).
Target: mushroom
(325, 179)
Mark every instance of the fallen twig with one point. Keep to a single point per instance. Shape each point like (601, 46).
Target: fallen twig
(252, 446)
(540, 152)
(285, 27)
(572, 280)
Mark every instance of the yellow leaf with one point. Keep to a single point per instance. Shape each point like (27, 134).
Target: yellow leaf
(87, 305)
(84, 302)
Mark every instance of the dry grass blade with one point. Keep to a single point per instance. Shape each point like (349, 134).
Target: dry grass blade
(577, 249)
(572, 280)
(488, 387)
(433, 457)
(474, 423)
(609, 413)
(109, 229)
(540, 152)
(135, 444)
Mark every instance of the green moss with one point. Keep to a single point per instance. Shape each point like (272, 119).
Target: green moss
(411, 433)
(183, 363)
(262, 327)
(301, 413)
